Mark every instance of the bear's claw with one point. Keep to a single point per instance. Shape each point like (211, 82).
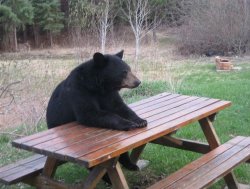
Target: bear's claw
(141, 122)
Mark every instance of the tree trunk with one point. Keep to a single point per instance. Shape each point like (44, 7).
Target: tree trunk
(104, 26)
(36, 35)
(51, 39)
(103, 37)
(154, 35)
(25, 35)
(154, 30)
(103, 44)
(112, 34)
(15, 39)
(9, 39)
(137, 51)
(146, 35)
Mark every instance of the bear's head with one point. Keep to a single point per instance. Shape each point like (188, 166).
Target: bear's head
(113, 73)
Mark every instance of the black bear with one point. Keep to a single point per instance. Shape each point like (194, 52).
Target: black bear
(90, 96)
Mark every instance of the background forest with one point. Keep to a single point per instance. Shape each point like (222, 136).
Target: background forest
(205, 27)
(44, 23)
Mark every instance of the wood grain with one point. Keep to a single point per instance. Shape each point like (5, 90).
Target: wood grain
(205, 170)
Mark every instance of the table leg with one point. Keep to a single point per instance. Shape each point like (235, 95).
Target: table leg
(112, 167)
(212, 117)
(50, 167)
(213, 141)
(117, 177)
(134, 157)
(94, 177)
(45, 180)
(135, 154)
(210, 133)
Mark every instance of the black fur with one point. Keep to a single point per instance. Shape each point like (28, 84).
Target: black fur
(90, 96)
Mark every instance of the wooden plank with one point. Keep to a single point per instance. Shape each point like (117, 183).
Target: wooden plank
(26, 171)
(176, 103)
(21, 167)
(50, 167)
(94, 177)
(187, 116)
(213, 141)
(74, 150)
(117, 177)
(83, 149)
(183, 144)
(223, 169)
(161, 95)
(167, 104)
(158, 101)
(49, 138)
(209, 132)
(187, 169)
(97, 173)
(21, 162)
(174, 110)
(66, 140)
(86, 140)
(208, 166)
(44, 133)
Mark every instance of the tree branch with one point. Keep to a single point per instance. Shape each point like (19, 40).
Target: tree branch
(4, 89)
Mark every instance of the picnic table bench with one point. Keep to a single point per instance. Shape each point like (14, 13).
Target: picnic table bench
(99, 149)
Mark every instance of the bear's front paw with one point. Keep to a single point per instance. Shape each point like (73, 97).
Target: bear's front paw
(128, 125)
(141, 122)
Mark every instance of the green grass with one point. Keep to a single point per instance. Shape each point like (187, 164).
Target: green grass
(203, 81)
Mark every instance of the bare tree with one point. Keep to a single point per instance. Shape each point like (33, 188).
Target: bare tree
(137, 13)
(105, 20)
(95, 17)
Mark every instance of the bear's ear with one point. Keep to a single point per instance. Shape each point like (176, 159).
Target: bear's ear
(120, 54)
(99, 60)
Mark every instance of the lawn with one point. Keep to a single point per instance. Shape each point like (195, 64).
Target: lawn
(201, 81)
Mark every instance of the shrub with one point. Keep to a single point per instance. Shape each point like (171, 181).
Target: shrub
(216, 27)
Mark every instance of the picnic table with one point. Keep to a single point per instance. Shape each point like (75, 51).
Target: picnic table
(99, 149)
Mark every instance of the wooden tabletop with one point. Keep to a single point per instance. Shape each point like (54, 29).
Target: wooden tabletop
(90, 146)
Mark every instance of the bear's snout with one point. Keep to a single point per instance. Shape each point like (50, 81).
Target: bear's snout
(131, 81)
(137, 83)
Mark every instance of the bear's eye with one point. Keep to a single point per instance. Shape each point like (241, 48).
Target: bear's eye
(125, 72)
